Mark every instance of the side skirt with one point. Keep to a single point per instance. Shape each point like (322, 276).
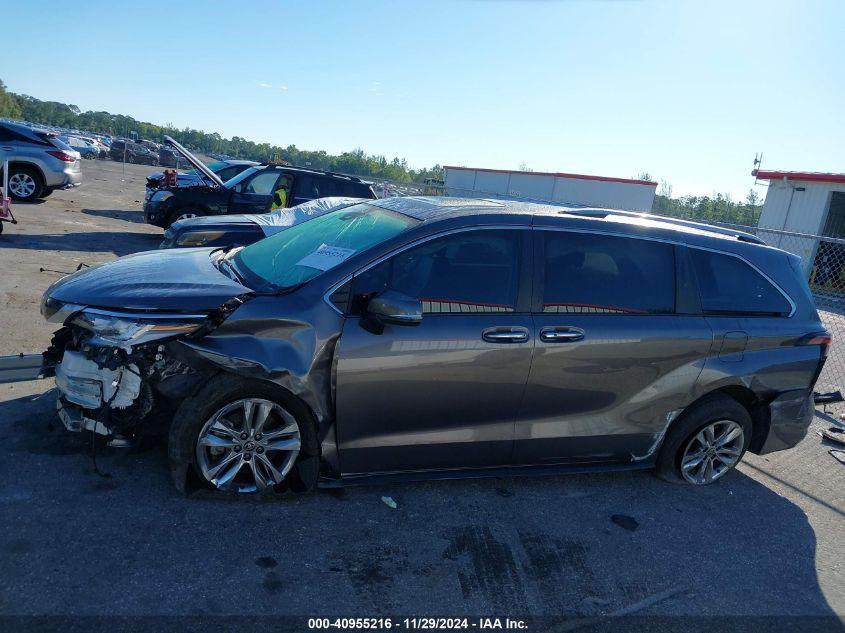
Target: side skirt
(478, 473)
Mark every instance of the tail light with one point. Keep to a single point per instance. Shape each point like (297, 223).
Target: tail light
(822, 339)
(63, 156)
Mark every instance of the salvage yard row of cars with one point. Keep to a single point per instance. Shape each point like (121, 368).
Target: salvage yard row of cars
(347, 338)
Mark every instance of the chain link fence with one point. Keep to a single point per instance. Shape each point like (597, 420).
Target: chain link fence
(822, 262)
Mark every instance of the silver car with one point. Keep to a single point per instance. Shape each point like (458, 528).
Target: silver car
(38, 162)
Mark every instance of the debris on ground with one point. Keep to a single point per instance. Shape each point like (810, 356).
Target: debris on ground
(625, 522)
(837, 455)
(834, 434)
(389, 502)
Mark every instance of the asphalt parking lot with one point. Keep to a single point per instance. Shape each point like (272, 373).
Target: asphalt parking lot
(768, 540)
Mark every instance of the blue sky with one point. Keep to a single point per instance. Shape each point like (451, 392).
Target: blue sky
(686, 90)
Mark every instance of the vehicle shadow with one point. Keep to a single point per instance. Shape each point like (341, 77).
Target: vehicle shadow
(117, 242)
(132, 216)
(579, 546)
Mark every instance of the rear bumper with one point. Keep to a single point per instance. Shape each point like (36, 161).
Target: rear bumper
(791, 415)
(63, 177)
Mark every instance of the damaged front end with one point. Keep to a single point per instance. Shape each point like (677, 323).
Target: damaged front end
(116, 372)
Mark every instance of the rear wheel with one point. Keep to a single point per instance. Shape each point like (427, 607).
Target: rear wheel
(244, 437)
(706, 442)
(25, 184)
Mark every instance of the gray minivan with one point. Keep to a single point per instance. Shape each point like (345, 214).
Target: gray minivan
(438, 337)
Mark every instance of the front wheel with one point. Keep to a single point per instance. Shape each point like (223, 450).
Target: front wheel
(244, 437)
(184, 214)
(706, 442)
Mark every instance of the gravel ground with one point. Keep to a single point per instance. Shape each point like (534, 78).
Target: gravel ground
(766, 541)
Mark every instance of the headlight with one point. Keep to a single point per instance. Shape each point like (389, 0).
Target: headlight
(161, 196)
(199, 238)
(118, 330)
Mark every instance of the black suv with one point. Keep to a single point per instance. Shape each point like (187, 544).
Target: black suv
(134, 152)
(250, 192)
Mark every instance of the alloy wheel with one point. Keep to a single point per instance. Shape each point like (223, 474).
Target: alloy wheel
(712, 452)
(22, 185)
(186, 216)
(248, 446)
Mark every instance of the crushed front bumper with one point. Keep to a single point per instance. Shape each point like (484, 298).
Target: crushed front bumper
(75, 419)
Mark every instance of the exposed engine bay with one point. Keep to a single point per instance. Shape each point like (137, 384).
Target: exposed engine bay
(117, 373)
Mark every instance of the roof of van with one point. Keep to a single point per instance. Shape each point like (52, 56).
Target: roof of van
(435, 208)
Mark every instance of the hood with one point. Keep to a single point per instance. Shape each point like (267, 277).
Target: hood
(200, 166)
(183, 280)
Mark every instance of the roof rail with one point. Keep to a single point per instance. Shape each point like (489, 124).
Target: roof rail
(312, 170)
(742, 236)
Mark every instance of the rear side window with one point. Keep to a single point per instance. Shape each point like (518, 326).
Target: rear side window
(472, 272)
(730, 286)
(602, 274)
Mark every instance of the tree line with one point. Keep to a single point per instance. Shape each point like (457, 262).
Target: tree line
(718, 208)
(357, 162)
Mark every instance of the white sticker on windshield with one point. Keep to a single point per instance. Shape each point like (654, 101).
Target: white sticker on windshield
(326, 257)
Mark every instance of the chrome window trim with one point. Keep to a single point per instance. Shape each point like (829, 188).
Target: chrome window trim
(687, 245)
(417, 242)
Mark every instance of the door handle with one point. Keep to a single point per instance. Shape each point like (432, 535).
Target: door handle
(7, 149)
(505, 334)
(561, 334)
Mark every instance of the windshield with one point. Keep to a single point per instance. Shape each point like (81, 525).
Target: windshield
(241, 176)
(214, 166)
(302, 252)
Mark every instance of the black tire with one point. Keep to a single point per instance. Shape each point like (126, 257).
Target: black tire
(218, 392)
(697, 417)
(177, 214)
(46, 192)
(32, 176)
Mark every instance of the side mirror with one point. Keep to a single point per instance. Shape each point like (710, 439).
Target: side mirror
(394, 307)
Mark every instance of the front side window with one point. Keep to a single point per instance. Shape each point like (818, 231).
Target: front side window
(263, 183)
(603, 274)
(305, 250)
(729, 286)
(472, 272)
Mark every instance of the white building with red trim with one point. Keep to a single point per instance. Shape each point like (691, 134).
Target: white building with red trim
(806, 202)
(555, 188)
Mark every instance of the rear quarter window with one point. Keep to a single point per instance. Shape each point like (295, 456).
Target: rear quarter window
(730, 286)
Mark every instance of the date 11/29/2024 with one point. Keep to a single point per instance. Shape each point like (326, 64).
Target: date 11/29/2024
(419, 623)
